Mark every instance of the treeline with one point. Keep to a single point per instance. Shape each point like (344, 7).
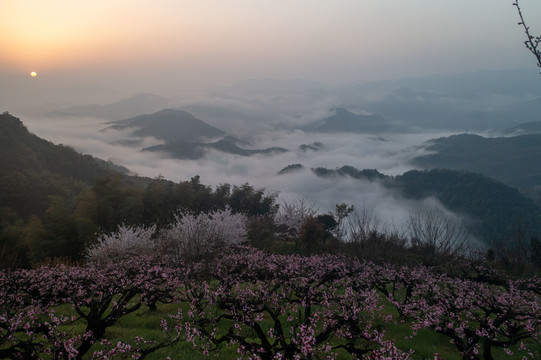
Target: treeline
(68, 225)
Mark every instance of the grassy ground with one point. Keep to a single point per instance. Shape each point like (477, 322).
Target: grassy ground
(146, 324)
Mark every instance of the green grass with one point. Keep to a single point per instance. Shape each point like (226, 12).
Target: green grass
(425, 343)
(146, 324)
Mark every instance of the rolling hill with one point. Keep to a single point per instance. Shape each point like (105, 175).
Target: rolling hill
(189, 150)
(185, 136)
(345, 121)
(494, 209)
(169, 125)
(515, 161)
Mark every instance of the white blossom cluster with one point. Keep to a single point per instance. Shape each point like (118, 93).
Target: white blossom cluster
(189, 235)
(204, 233)
(127, 242)
(292, 215)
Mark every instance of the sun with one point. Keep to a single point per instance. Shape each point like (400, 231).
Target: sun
(33, 74)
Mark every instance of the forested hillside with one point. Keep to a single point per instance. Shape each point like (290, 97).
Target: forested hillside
(32, 169)
(54, 201)
(494, 210)
(516, 161)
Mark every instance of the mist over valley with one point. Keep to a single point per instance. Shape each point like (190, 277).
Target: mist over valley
(254, 131)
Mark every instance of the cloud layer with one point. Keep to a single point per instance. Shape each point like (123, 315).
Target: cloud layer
(388, 153)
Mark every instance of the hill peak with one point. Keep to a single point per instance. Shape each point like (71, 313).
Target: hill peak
(343, 120)
(10, 124)
(172, 112)
(170, 125)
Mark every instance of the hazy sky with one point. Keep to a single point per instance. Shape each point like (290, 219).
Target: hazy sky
(169, 45)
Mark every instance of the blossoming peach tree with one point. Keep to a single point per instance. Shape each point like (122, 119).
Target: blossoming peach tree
(265, 306)
(285, 307)
(32, 327)
(475, 316)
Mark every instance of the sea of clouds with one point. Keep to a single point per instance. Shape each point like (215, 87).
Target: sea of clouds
(264, 126)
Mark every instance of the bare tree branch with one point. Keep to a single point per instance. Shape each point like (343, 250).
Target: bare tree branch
(532, 42)
(438, 233)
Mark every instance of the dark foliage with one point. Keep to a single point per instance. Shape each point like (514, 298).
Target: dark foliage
(516, 161)
(495, 206)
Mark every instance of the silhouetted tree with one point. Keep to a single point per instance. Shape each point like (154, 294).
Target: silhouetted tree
(437, 235)
(312, 235)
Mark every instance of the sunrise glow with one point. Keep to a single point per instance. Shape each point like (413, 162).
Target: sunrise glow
(217, 44)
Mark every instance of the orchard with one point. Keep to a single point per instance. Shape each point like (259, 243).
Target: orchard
(258, 305)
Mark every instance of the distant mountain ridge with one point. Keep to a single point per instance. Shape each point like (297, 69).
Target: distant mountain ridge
(533, 127)
(345, 121)
(122, 109)
(188, 150)
(515, 161)
(185, 136)
(501, 82)
(476, 101)
(169, 125)
(492, 207)
(273, 87)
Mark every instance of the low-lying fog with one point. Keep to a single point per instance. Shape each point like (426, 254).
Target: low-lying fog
(388, 153)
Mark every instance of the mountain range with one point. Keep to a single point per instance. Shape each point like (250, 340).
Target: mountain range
(533, 127)
(515, 161)
(185, 136)
(122, 109)
(189, 150)
(472, 102)
(33, 169)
